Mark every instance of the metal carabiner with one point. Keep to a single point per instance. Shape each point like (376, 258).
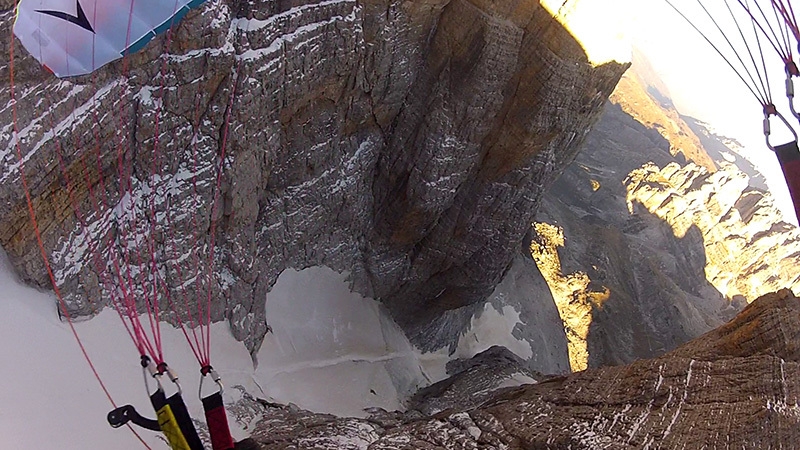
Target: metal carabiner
(791, 70)
(147, 367)
(208, 370)
(790, 95)
(771, 110)
(163, 368)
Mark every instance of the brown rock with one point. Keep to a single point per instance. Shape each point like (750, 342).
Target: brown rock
(731, 388)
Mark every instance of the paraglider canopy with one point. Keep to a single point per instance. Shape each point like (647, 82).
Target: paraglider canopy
(131, 262)
(76, 37)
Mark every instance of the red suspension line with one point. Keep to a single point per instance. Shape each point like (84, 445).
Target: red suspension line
(787, 12)
(198, 344)
(40, 244)
(84, 228)
(762, 77)
(156, 170)
(155, 349)
(215, 202)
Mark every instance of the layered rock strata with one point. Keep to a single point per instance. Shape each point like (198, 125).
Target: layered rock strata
(731, 388)
(626, 286)
(408, 143)
(656, 234)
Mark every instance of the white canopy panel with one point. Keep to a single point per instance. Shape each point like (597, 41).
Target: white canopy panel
(76, 37)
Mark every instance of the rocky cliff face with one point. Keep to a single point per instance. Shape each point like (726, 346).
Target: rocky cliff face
(649, 239)
(731, 388)
(626, 286)
(408, 143)
(748, 252)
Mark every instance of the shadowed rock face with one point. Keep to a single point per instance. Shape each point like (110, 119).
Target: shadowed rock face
(408, 143)
(730, 388)
(655, 235)
(628, 287)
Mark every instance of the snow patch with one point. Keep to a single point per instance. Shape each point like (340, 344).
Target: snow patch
(341, 347)
(331, 350)
(487, 328)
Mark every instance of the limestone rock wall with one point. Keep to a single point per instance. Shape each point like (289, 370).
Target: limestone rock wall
(626, 286)
(408, 143)
(657, 233)
(732, 387)
(748, 251)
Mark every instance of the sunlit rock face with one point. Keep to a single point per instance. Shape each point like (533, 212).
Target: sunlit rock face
(653, 236)
(730, 388)
(408, 143)
(748, 250)
(626, 286)
(651, 106)
(571, 293)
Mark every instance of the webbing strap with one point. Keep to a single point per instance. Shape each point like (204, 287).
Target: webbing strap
(221, 438)
(789, 158)
(184, 421)
(168, 422)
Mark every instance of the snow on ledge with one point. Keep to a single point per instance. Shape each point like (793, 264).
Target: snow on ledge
(330, 351)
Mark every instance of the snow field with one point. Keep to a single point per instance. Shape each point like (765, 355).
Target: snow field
(330, 351)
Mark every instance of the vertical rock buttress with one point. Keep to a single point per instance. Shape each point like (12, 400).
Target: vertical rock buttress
(502, 103)
(408, 143)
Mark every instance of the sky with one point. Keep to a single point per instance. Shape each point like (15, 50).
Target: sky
(703, 86)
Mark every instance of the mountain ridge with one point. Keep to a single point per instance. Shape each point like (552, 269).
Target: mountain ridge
(667, 247)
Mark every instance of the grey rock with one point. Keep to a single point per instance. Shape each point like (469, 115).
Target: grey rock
(473, 381)
(667, 237)
(729, 388)
(525, 290)
(408, 143)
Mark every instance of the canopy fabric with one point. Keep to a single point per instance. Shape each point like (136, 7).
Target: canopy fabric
(76, 37)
